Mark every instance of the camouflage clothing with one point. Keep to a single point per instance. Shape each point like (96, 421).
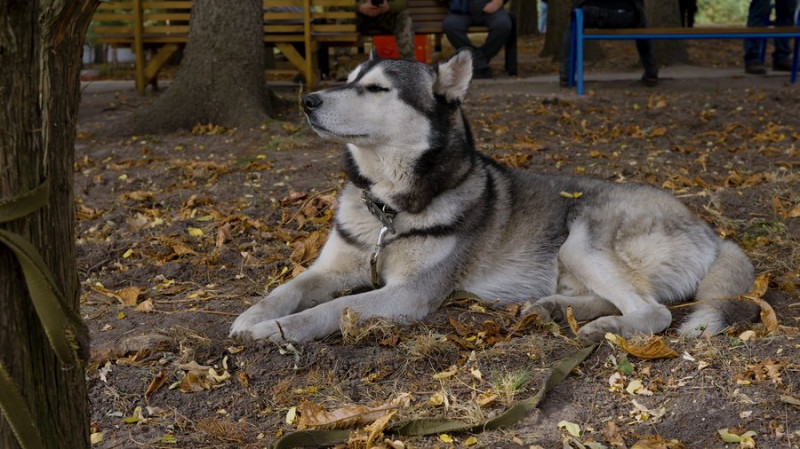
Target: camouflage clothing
(396, 21)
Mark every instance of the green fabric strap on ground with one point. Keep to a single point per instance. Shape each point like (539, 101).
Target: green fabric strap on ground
(14, 408)
(435, 426)
(62, 326)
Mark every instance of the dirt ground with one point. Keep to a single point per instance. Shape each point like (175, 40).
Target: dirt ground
(178, 233)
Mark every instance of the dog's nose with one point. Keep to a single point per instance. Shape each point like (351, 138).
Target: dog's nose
(311, 102)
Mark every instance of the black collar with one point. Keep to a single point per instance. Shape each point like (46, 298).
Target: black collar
(379, 210)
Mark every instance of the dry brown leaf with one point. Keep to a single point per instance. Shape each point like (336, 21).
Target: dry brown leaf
(613, 435)
(573, 323)
(195, 381)
(655, 348)
(223, 235)
(768, 316)
(657, 442)
(145, 306)
(155, 385)
(314, 416)
(128, 296)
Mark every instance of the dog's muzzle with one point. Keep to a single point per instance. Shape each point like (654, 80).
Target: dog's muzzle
(311, 102)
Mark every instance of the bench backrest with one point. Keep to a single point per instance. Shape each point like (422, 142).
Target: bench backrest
(427, 15)
(167, 21)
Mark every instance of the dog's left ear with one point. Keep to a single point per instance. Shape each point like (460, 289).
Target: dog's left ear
(454, 75)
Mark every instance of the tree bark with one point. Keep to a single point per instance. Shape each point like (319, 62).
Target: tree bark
(558, 20)
(221, 76)
(665, 14)
(527, 16)
(40, 53)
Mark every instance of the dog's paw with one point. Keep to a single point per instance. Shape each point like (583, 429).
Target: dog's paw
(595, 331)
(546, 311)
(258, 313)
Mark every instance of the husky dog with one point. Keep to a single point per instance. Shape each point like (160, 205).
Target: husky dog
(425, 214)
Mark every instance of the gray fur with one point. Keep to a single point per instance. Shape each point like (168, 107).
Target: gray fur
(618, 254)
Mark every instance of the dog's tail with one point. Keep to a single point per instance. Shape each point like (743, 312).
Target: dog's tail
(731, 275)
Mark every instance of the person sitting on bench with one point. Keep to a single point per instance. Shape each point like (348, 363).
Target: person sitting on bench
(489, 13)
(388, 16)
(612, 14)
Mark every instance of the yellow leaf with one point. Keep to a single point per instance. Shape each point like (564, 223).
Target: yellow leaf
(436, 399)
(96, 437)
(471, 441)
(128, 253)
(571, 428)
(291, 415)
(573, 323)
(445, 438)
(195, 232)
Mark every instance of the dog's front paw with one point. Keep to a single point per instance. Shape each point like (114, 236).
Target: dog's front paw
(595, 331)
(546, 310)
(280, 331)
(259, 312)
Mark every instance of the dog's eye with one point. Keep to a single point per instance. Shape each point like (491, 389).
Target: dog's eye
(376, 88)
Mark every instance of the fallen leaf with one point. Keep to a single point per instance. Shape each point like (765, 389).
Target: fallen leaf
(155, 385)
(571, 428)
(573, 323)
(223, 235)
(655, 348)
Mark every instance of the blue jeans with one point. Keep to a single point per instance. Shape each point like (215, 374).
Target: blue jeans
(758, 16)
(455, 27)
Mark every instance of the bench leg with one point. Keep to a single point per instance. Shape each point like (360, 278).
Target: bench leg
(793, 76)
(579, 50)
(511, 48)
(157, 62)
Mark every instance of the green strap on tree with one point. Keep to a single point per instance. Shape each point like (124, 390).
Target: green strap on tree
(317, 438)
(63, 327)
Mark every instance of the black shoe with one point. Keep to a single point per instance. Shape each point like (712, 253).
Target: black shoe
(782, 66)
(563, 82)
(482, 73)
(755, 68)
(650, 80)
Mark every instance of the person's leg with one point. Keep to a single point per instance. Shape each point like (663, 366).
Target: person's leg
(690, 13)
(499, 25)
(757, 16)
(784, 16)
(682, 11)
(455, 28)
(542, 17)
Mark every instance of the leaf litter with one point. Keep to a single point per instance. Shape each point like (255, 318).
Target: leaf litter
(201, 223)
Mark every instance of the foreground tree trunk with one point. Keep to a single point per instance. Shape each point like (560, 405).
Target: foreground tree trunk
(221, 76)
(40, 50)
(558, 17)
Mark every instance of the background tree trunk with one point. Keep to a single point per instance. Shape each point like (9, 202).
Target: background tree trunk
(665, 14)
(557, 22)
(527, 16)
(221, 76)
(40, 53)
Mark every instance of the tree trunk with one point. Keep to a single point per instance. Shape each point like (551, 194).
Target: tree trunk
(527, 16)
(665, 14)
(558, 21)
(40, 53)
(221, 77)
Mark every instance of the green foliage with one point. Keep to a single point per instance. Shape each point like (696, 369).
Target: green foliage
(721, 12)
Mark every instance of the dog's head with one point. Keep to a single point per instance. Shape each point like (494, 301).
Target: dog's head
(389, 100)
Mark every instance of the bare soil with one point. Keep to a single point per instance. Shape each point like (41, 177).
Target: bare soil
(179, 232)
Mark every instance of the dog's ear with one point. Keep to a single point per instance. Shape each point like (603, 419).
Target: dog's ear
(454, 75)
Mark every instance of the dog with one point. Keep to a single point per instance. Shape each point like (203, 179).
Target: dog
(424, 214)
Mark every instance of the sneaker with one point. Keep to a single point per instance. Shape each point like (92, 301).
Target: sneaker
(782, 66)
(650, 80)
(755, 68)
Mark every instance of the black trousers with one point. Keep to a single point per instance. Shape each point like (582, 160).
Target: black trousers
(594, 17)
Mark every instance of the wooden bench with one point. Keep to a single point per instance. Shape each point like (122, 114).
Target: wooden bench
(163, 26)
(579, 35)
